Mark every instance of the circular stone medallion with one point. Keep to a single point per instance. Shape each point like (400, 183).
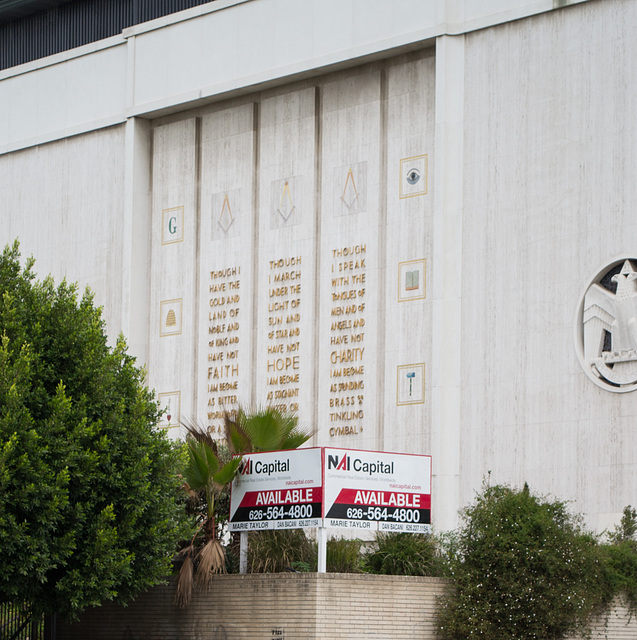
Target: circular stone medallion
(606, 327)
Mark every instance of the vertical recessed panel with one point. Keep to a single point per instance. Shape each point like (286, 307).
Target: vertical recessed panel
(226, 283)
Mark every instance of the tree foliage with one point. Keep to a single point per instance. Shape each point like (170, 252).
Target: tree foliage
(525, 570)
(89, 498)
(621, 559)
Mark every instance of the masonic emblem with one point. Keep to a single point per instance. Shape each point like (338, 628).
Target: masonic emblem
(609, 328)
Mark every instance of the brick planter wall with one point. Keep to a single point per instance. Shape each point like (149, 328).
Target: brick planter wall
(292, 606)
(616, 625)
(283, 606)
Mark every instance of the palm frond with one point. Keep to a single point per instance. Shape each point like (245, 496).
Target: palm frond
(197, 472)
(237, 439)
(212, 560)
(295, 439)
(184, 583)
(226, 474)
(265, 429)
(212, 458)
(200, 434)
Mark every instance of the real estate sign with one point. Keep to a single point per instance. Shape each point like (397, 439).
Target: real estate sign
(278, 490)
(376, 490)
(332, 488)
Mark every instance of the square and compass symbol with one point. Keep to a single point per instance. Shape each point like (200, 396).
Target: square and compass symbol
(226, 207)
(350, 189)
(285, 202)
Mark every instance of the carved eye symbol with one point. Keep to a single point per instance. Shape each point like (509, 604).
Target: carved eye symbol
(413, 175)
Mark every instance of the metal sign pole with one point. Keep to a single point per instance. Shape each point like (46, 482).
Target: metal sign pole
(243, 552)
(321, 538)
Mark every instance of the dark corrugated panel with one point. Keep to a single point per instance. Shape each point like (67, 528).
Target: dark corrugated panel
(75, 23)
(12, 9)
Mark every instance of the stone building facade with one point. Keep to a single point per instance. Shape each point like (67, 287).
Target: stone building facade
(412, 222)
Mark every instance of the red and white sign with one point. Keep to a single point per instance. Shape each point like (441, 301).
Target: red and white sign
(332, 488)
(277, 490)
(372, 490)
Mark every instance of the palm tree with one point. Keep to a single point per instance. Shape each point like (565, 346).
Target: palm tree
(267, 429)
(205, 477)
(264, 429)
(208, 473)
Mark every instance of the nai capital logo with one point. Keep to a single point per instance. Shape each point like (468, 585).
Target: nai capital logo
(606, 337)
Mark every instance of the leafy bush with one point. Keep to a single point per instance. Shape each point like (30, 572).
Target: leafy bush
(407, 554)
(621, 566)
(621, 559)
(343, 555)
(291, 550)
(627, 528)
(275, 551)
(525, 570)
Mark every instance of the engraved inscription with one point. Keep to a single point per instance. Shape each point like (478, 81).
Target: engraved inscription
(224, 304)
(284, 333)
(347, 341)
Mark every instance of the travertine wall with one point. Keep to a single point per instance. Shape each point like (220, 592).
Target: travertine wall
(616, 624)
(549, 199)
(397, 248)
(64, 202)
(291, 248)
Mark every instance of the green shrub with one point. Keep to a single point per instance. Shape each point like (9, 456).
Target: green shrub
(621, 559)
(627, 528)
(621, 566)
(525, 570)
(291, 550)
(343, 555)
(406, 554)
(275, 551)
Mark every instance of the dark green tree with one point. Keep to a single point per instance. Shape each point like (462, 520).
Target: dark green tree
(90, 501)
(524, 570)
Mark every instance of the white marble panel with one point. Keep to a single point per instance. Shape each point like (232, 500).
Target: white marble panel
(258, 41)
(408, 243)
(173, 295)
(549, 200)
(64, 202)
(350, 385)
(286, 274)
(226, 279)
(78, 94)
